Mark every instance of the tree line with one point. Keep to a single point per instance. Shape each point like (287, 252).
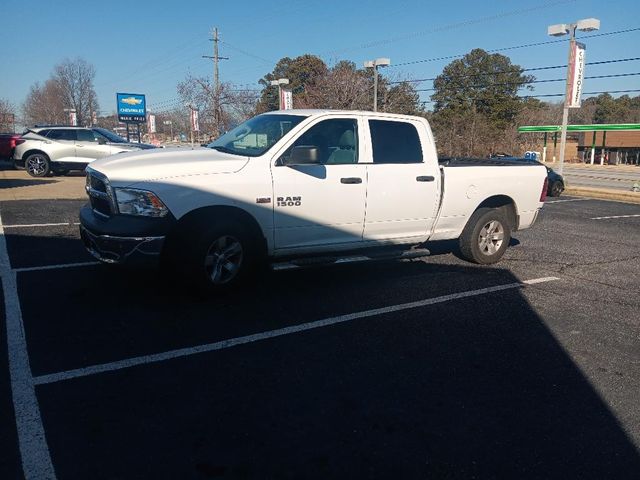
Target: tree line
(478, 101)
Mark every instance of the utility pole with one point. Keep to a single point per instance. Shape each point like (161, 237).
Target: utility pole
(216, 75)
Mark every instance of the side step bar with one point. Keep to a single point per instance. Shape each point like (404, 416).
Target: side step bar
(339, 260)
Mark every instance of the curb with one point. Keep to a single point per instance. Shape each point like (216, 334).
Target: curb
(604, 194)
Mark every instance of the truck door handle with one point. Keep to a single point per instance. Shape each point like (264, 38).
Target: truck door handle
(425, 178)
(351, 180)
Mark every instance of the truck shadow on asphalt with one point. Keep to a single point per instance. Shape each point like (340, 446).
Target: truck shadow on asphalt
(22, 182)
(474, 387)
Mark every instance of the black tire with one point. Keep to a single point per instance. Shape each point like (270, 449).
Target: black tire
(216, 257)
(37, 165)
(556, 189)
(485, 237)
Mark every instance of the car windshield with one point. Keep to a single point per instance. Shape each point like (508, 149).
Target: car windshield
(257, 135)
(110, 136)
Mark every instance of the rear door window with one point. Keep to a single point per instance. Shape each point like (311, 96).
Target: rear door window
(395, 142)
(86, 136)
(62, 134)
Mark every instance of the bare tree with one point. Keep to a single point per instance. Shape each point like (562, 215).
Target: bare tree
(342, 87)
(7, 115)
(44, 104)
(218, 111)
(75, 80)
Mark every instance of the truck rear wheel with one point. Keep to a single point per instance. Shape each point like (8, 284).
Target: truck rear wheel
(485, 237)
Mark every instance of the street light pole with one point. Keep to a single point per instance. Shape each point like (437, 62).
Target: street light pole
(586, 25)
(378, 62)
(279, 82)
(565, 109)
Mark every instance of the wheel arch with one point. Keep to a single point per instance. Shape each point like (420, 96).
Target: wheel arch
(26, 154)
(192, 218)
(506, 204)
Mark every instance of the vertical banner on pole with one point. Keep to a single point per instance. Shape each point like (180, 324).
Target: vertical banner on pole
(73, 118)
(195, 126)
(152, 123)
(576, 75)
(286, 99)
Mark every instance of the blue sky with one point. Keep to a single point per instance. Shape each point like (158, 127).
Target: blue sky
(147, 47)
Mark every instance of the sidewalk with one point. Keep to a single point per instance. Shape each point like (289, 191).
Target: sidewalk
(18, 185)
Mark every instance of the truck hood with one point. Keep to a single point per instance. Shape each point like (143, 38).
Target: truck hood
(156, 164)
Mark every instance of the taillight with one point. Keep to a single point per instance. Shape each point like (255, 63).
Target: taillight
(545, 186)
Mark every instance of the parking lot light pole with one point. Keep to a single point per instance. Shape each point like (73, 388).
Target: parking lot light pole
(559, 30)
(378, 62)
(279, 83)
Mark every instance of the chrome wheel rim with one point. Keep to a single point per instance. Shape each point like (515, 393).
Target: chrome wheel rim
(223, 260)
(36, 165)
(491, 237)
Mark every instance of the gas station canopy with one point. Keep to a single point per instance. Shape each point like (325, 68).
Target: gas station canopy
(604, 127)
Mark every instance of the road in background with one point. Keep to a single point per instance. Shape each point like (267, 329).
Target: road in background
(609, 177)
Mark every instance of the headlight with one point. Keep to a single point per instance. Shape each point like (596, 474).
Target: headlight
(132, 201)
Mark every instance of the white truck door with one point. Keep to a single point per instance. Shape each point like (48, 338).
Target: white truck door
(321, 203)
(403, 181)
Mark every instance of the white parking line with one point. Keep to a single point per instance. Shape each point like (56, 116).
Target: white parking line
(615, 216)
(34, 451)
(569, 200)
(55, 267)
(36, 225)
(233, 342)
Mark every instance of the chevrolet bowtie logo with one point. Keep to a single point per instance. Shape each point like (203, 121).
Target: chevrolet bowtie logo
(131, 101)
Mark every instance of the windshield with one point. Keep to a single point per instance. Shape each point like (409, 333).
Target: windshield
(254, 137)
(110, 136)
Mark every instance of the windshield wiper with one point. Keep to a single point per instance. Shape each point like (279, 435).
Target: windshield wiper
(222, 149)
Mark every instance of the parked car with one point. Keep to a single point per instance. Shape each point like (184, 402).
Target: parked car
(556, 182)
(44, 150)
(297, 187)
(7, 145)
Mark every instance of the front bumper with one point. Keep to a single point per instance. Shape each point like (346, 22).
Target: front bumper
(124, 239)
(141, 251)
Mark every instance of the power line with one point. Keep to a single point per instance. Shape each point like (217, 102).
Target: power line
(584, 93)
(614, 75)
(563, 94)
(502, 49)
(453, 26)
(550, 67)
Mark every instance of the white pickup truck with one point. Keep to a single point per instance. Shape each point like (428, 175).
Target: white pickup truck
(301, 187)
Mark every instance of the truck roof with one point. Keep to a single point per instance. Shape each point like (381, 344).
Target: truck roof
(314, 112)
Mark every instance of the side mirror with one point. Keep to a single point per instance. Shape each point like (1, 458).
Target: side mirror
(102, 141)
(303, 155)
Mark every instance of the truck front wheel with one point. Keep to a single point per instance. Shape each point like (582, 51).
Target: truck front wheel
(485, 237)
(216, 257)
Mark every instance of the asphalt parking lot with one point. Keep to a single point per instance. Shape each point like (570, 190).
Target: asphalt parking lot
(429, 368)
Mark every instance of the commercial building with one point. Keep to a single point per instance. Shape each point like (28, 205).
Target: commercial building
(612, 144)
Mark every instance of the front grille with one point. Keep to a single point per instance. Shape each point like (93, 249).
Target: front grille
(99, 194)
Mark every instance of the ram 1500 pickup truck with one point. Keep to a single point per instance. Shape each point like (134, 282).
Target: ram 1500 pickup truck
(299, 187)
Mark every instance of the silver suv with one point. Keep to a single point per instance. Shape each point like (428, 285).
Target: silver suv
(44, 150)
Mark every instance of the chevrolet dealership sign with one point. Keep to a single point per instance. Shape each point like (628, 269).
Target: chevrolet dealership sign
(132, 107)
